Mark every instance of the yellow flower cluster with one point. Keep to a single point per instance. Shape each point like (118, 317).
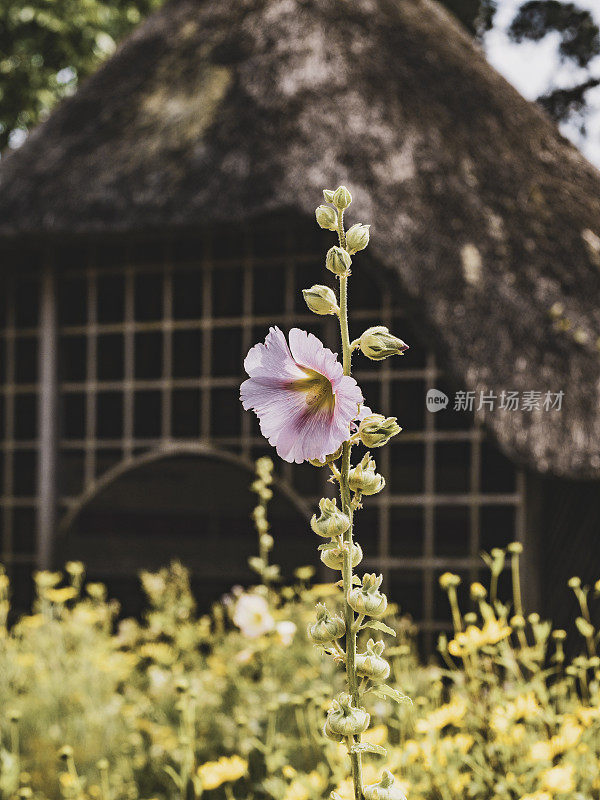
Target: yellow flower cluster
(213, 774)
(150, 708)
(474, 638)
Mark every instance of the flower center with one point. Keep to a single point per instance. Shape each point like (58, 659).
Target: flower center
(317, 389)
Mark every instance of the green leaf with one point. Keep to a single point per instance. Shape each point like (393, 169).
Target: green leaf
(379, 626)
(386, 692)
(367, 747)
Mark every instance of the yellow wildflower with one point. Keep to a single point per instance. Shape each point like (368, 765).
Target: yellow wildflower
(474, 638)
(449, 714)
(61, 595)
(25, 659)
(304, 787)
(588, 716)
(345, 789)
(559, 780)
(460, 783)
(541, 751)
(537, 796)
(67, 780)
(323, 590)
(32, 621)
(463, 742)
(494, 631)
(45, 579)
(524, 706)
(226, 770)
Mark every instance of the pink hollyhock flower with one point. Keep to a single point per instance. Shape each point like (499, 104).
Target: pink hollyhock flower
(300, 394)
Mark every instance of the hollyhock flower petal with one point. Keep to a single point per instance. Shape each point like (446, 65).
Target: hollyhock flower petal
(304, 402)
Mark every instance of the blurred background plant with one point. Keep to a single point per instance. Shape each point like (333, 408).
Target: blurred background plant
(230, 704)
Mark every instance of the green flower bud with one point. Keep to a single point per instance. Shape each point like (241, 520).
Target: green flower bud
(515, 548)
(370, 664)
(378, 343)
(335, 737)
(344, 719)
(376, 430)
(366, 598)
(338, 261)
(328, 195)
(321, 300)
(328, 459)
(332, 555)
(364, 479)
(357, 238)
(327, 218)
(342, 198)
(332, 522)
(327, 628)
(384, 790)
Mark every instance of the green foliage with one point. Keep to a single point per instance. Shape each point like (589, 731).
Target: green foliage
(48, 46)
(580, 37)
(579, 43)
(534, 20)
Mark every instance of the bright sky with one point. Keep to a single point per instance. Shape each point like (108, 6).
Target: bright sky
(535, 67)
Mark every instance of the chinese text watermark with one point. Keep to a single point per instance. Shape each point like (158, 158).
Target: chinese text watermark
(492, 401)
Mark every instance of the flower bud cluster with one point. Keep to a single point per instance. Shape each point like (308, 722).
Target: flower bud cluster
(378, 343)
(327, 628)
(340, 197)
(332, 554)
(364, 479)
(376, 430)
(357, 238)
(327, 218)
(384, 790)
(321, 300)
(344, 719)
(367, 599)
(338, 261)
(331, 522)
(371, 664)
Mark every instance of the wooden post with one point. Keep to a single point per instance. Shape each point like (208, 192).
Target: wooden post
(47, 417)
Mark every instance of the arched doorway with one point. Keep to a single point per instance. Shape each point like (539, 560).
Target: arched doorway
(191, 504)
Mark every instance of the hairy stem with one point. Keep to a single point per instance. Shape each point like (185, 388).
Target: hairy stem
(351, 676)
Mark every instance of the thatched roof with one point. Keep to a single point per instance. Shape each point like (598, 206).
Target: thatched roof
(220, 109)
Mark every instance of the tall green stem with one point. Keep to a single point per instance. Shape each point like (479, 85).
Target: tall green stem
(347, 508)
